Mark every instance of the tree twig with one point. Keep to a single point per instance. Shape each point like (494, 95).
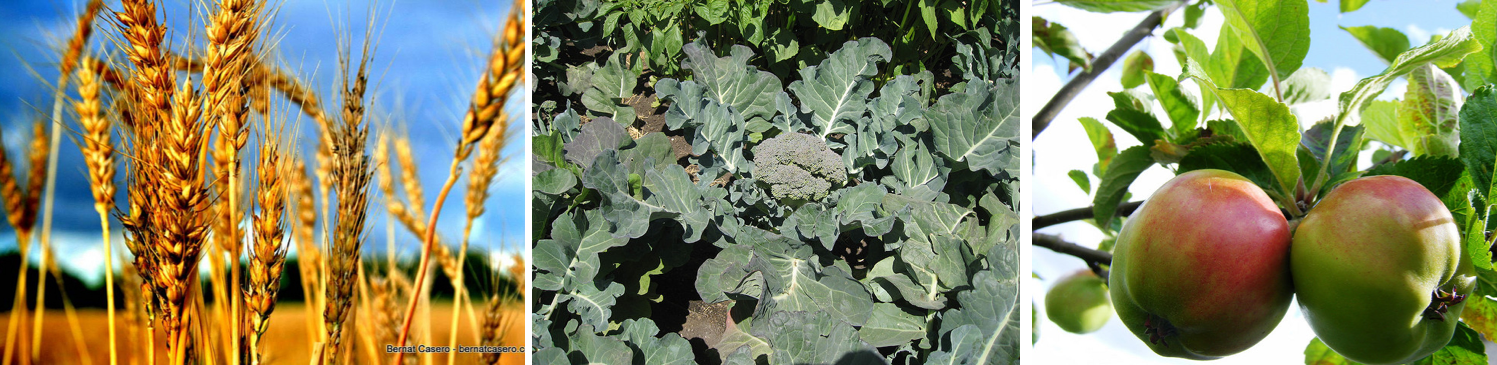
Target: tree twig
(1077, 214)
(1054, 243)
(1100, 64)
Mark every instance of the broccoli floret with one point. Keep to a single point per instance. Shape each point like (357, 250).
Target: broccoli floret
(798, 167)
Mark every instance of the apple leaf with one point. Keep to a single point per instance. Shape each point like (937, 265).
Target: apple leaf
(1429, 110)
(1134, 67)
(1081, 180)
(1387, 43)
(1318, 354)
(1481, 314)
(1110, 6)
(1180, 107)
(1348, 6)
(1271, 128)
(1318, 136)
(1102, 142)
(1465, 348)
(1120, 174)
(1277, 31)
(1057, 40)
(1307, 85)
(1468, 8)
(1445, 52)
(1478, 149)
(1480, 70)
(1382, 122)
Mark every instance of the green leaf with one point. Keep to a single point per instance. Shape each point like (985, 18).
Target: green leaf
(979, 126)
(831, 14)
(1481, 70)
(568, 261)
(914, 165)
(1468, 8)
(813, 337)
(1465, 348)
(890, 325)
(1277, 31)
(668, 349)
(1271, 128)
(1114, 186)
(1318, 354)
(1229, 65)
(555, 182)
(612, 83)
(730, 80)
(1240, 158)
(835, 92)
(1315, 140)
(713, 11)
(1134, 67)
(595, 349)
(1383, 124)
(1180, 107)
(1387, 43)
(1478, 149)
(1056, 40)
(1481, 315)
(928, 14)
(1102, 142)
(992, 307)
(1429, 110)
(1348, 6)
(1111, 6)
(1307, 85)
(599, 135)
(1445, 52)
(722, 135)
(1081, 180)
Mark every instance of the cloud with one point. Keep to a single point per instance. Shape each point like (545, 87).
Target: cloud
(1417, 35)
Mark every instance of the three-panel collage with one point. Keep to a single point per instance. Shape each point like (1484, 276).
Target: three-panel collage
(1262, 182)
(767, 182)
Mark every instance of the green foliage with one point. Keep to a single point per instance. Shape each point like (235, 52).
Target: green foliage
(847, 212)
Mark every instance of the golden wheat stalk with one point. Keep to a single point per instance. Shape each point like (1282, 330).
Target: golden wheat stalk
(504, 70)
(268, 253)
(485, 167)
(351, 175)
(168, 195)
(229, 59)
(98, 154)
(84, 27)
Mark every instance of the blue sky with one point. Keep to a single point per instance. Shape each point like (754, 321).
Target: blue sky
(430, 56)
(1055, 152)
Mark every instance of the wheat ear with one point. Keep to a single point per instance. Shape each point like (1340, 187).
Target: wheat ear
(168, 197)
(98, 154)
(230, 57)
(268, 254)
(503, 71)
(351, 175)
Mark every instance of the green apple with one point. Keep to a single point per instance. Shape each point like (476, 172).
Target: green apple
(1201, 270)
(1078, 303)
(1377, 265)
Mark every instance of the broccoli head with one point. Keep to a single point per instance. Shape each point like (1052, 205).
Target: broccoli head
(798, 167)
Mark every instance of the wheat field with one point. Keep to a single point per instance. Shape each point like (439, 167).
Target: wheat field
(214, 161)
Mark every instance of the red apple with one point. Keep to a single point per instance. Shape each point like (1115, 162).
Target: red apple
(1201, 270)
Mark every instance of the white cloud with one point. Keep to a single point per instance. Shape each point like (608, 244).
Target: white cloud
(1417, 35)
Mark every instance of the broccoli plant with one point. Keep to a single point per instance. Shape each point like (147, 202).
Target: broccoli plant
(797, 168)
(849, 213)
